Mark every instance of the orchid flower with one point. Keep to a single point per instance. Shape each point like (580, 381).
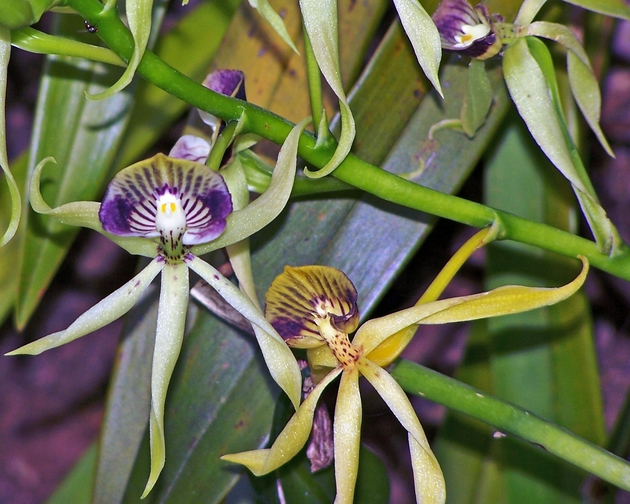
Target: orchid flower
(467, 30)
(172, 211)
(314, 308)
(530, 77)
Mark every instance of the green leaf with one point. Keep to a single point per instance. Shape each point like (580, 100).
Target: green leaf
(77, 486)
(614, 8)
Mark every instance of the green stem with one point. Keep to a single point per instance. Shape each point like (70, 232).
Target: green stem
(512, 419)
(315, 90)
(353, 170)
(221, 145)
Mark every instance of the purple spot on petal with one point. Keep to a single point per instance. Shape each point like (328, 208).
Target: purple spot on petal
(114, 215)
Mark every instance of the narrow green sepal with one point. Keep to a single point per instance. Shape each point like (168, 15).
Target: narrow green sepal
(424, 37)
(274, 19)
(14, 192)
(139, 18)
(104, 312)
(169, 335)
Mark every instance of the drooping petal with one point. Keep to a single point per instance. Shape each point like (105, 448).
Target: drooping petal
(130, 204)
(347, 435)
(428, 477)
(424, 38)
(106, 311)
(16, 200)
(290, 441)
(171, 321)
(83, 213)
(192, 148)
(391, 348)
(501, 301)
(278, 357)
(530, 77)
(320, 23)
(255, 216)
(585, 89)
(300, 296)
(139, 18)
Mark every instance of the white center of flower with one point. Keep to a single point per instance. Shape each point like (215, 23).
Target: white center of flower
(471, 33)
(170, 215)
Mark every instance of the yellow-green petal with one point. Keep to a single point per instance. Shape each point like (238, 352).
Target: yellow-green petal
(35, 41)
(171, 322)
(428, 477)
(391, 348)
(16, 200)
(290, 441)
(347, 436)
(280, 361)
(502, 301)
(106, 311)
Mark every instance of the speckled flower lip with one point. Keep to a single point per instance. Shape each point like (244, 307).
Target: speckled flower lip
(300, 300)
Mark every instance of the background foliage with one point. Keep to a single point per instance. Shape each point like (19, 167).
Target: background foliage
(544, 361)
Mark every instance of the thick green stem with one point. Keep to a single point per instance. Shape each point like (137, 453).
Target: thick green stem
(353, 170)
(512, 419)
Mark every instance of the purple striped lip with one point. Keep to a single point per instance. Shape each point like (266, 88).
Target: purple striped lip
(130, 204)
